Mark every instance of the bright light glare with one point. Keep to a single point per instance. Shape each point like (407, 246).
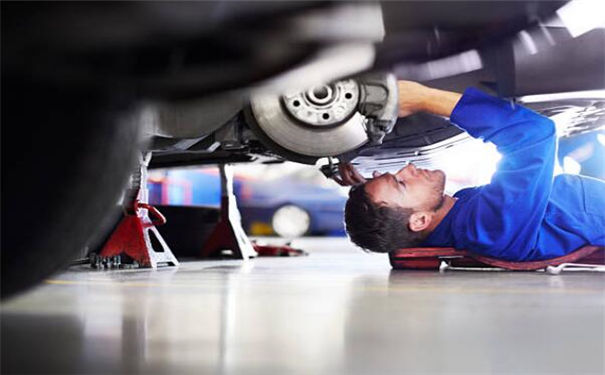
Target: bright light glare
(564, 119)
(571, 166)
(581, 16)
(473, 163)
(601, 139)
(589, 94)
(558, 169)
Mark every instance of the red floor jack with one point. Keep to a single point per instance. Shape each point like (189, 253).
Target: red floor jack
(228, 238)
(136, 241)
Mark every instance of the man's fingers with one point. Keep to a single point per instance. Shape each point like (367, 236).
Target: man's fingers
(348, 175)
(356, 175)
(345, 175)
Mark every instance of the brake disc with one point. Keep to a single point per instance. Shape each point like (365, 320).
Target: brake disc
(321, 121)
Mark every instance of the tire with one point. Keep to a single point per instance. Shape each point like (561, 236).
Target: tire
(291, 221)
(66, 156)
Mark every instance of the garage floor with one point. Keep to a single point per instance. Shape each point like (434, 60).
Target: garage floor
(337, 311)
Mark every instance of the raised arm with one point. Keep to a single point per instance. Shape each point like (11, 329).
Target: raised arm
(502, 220)
(414, 97)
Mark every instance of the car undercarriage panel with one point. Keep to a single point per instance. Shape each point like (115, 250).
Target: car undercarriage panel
(510, 49)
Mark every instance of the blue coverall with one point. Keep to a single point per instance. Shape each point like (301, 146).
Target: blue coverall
(524, 213)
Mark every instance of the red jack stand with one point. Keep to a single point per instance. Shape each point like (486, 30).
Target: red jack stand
(228, 233)
(136, 235)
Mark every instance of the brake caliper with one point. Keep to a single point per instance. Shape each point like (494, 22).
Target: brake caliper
(378, 103)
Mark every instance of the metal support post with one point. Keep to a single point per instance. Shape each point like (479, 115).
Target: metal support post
(136, 239)
(228, 233)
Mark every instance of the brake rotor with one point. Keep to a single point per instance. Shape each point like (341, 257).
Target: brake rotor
(321, 121)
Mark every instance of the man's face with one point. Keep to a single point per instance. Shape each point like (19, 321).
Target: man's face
(410, 187)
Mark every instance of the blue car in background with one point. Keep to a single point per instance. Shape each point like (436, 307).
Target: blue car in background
(290, 205)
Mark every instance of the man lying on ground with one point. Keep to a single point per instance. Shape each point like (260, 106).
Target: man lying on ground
(523, 214)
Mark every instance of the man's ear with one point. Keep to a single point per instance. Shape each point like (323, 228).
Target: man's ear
(419, 221)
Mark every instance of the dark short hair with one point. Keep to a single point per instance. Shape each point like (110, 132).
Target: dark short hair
(378, 228)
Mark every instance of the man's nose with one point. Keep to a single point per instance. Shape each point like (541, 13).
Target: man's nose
(408, 170)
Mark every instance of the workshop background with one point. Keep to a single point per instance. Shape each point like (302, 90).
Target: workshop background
(141, 140)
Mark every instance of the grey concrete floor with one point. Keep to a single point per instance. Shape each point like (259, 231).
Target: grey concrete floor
(337, 311)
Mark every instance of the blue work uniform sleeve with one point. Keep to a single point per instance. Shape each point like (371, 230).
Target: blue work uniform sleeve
(503, 219)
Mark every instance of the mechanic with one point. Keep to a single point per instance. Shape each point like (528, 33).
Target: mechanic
(523, 214)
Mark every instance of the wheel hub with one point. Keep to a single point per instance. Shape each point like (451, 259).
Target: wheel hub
(325, 105)
(326, 120)
(321, 121)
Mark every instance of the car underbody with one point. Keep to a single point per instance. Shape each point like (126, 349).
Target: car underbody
(528, 66)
